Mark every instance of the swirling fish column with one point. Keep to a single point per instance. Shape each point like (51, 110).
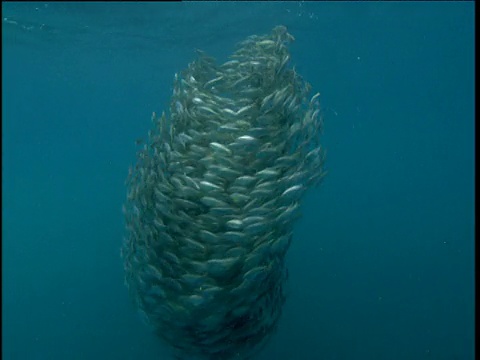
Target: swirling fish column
(213, 197)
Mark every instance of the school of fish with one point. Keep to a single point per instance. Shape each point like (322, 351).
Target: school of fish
(213, 198)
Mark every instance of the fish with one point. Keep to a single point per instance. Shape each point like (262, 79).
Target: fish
(213, 202)
(213, 198)
(219, 148)
(292, 193)
(207, 186)
(234, 224)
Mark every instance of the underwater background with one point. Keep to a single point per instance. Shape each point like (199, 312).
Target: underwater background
(382, 262)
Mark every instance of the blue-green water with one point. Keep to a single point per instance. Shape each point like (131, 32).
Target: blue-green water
(382, 262)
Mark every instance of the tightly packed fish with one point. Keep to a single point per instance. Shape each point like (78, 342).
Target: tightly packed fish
(213, 198)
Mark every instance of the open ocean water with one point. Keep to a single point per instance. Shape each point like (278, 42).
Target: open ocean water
(382, 262)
